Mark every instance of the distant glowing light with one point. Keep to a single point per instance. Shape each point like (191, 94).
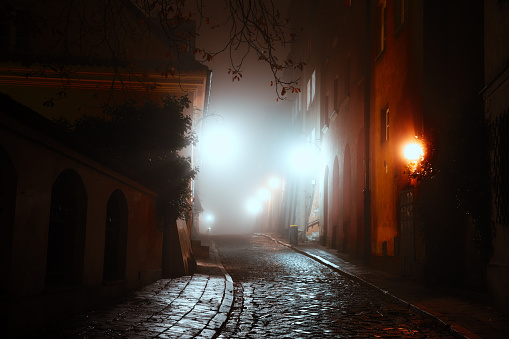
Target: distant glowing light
(209, 218)
(254, 206)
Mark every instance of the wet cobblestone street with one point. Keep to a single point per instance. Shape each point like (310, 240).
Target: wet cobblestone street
(283, 294)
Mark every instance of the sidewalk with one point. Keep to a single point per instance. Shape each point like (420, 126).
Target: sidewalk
(466, 317)
(186, 307)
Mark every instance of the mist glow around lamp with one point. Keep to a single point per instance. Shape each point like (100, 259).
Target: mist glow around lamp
(263, 194)
(254, 206)
(274, 183)
(303, 159)
(209, 220)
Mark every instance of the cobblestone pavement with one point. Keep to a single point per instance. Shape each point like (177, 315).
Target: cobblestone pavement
(468, 314)
(283, 294)
(187, 307)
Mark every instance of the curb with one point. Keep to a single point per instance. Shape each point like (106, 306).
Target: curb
(219, 320)
(455, 329)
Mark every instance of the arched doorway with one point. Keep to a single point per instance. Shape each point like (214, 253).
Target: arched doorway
(347, 201)
(8, 183)
(334, 242)
(325, 209)
(66, 233)
(115, 240)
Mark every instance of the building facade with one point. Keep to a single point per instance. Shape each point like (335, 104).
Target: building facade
(381, 76)
(496, 106)
(78, 229)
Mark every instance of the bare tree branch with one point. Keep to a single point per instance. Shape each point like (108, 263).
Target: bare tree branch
(120, 33)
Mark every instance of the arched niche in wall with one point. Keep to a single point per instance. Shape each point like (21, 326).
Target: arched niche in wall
(67, 228)
(8, 183)
(325, 222)
(335, 222)
(347, 202)
(115, 241)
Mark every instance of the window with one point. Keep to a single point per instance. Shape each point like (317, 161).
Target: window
(299, 104)
(384, 124)
(313, 86)
(308, 94)
(15, 32)
(311, 90)
(325, 114)
(401, 13)
(4, 32)
(347, 76)
(382, 33)
(336, 94)
(22, 32)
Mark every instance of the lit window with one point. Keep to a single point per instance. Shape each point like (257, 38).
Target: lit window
(325, 114)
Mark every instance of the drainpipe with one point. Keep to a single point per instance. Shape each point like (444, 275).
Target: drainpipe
(367, 115)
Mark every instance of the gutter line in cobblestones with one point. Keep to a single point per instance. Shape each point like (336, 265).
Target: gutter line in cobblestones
(455, 329)
(219, 320)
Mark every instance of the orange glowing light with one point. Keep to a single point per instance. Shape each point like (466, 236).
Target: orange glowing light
(413, 152)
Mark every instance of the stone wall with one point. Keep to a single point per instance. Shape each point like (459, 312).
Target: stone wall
(111, 242)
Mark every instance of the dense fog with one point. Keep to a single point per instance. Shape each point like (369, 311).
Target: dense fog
(242, 142)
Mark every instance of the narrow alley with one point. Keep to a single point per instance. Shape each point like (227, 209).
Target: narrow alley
(252, 286)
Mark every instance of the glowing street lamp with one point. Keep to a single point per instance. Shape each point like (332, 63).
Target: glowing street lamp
(209, 220)
(413, 154)
(220, 145)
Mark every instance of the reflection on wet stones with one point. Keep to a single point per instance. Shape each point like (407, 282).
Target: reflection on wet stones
(280, 293)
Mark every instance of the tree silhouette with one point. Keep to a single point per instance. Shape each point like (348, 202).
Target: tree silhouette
(146, 139)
